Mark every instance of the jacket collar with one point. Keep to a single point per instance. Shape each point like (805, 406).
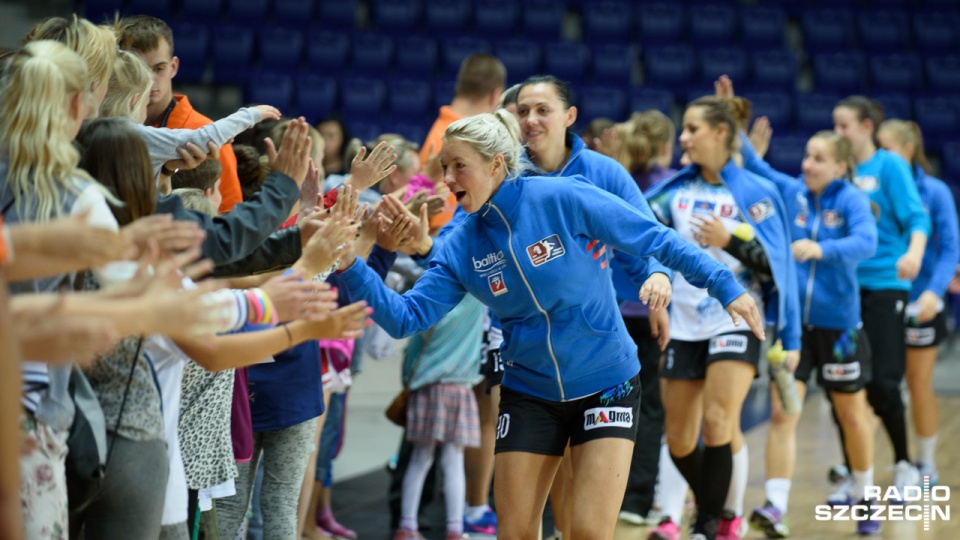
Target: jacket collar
(506, 200)
(576, 146)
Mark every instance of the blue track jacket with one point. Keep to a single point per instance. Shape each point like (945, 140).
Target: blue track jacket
(760, 203)
(840, 220)
(943, 248)
(523, 255)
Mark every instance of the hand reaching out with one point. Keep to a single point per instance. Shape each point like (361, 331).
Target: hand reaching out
(170, 236)
(760, 135)
(293, 158)
(309, 192)
(656, 291)
(710, 231)
(268, 112)
(743, 307)
(323, 247)
(364, 173)
(345, 323)
(191, 156)
(297, 299)
(723, 87)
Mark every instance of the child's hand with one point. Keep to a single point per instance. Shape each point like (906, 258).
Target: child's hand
(268, 112)
(364, 173)
(345, 323)
(323, 248)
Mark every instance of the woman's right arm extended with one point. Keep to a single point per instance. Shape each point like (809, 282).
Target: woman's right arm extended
(433, 296)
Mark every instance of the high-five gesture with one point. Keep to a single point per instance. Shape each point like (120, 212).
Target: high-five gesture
(364, 173)
(293, 158)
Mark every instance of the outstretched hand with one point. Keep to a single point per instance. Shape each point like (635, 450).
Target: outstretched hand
(364, 173)
(744, 308)
(760, 135)
(656, 291)
(293, 158)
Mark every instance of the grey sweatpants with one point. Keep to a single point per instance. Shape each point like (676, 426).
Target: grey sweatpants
(285, 453)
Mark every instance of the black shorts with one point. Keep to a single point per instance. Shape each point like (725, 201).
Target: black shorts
(841, 357)
(491, 367)
(688, 360)
(537, 426)
(928, 334)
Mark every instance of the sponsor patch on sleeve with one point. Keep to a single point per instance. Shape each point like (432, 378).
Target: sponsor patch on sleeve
(762, 210)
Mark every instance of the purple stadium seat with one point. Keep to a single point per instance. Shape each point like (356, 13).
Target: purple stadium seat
(884, 30)
(713, 25)
(608, 21)
(897, 72)
(542, 19)
(396, 17)
(774, 69)
(316, 97)
(669, 66)
(566, 59)
(662, 23)
(447, 18)
(327, 52)
(281, 49)
(943, 73)
(522, 58)
(613, 63)
(776, 106)
(602, 102)
(643, 98)
(827, 30)
(496, 18)
(763, 26)
(416, 56)
(935, 32)
(839, 72)
(815, 111)
(270, 88)
(372, 53)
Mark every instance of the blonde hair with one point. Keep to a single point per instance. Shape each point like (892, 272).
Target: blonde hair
(491, 134)
(842, 149)
(194, 199)
(908, 132)
(131, 76)
(276, 135)
(36, 125)
(97, 45)
(404, 149)
(644, 134)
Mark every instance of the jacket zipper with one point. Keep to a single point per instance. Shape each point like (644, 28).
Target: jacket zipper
(556, 364)
(813, 263)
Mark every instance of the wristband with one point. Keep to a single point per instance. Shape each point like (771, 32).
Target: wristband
(167, 172)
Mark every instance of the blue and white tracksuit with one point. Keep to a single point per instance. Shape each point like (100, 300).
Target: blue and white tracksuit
(523, 255)
(943, 246)
(762, 207)
(840, 221)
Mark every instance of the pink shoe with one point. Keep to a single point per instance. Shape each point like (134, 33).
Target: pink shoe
(407, 534)
(666, 530)
(730, 526)
(337, 530)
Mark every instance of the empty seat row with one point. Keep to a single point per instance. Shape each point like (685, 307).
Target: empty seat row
(896, 72)
(889, 30)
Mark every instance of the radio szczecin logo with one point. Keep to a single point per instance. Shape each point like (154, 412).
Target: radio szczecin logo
(920, 503)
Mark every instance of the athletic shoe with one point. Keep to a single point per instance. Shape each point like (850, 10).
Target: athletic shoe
(632, 518)
(770, 520)
(666, 530)
(841, 486)
(929, 472)
(407, 534)
(698, 536)
(730, 526)
(869, 527)
(904, 474)
(487, 524)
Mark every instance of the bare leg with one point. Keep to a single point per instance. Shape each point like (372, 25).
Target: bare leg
(600, 470)
(781, 456)
(924, 408)
(479, 461)
(521, 483)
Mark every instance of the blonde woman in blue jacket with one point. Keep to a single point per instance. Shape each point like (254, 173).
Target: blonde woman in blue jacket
(570, 365)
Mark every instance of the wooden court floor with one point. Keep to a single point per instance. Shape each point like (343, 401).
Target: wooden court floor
(817, 450)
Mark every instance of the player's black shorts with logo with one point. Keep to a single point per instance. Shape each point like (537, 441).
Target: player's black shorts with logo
(928, 334)
(841, 358)
(538, 426)
(688, 360)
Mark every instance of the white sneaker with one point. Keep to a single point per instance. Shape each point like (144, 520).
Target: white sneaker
(904, 474)
(930, 472)
(841, 491)
(632, 518)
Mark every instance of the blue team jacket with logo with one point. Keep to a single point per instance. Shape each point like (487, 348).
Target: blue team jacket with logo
(762, 206)
(943, 246)
(840, 220)
(523, 254)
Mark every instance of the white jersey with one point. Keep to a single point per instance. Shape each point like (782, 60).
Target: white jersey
(695, 315)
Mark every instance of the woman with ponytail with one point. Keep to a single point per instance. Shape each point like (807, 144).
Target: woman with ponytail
(926, 325)
(570, 365)
(833, 228)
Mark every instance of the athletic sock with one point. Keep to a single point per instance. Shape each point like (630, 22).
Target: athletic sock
(690, 467)
(673, 487)
(715, 483)
(925, 450)
(778, 492)
(738, 481)
(473, 513)
(862, 479)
